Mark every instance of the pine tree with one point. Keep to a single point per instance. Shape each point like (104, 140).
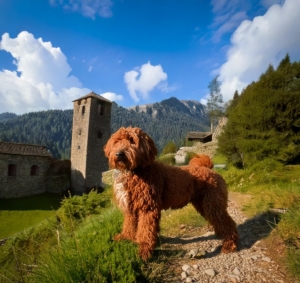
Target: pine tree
(215, 101)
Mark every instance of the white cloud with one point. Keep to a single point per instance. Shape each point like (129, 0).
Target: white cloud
(88, 8)
(143, 80)
(41, 80)
(258, 43)
(229, 25)
(112, 96)
(228, 15)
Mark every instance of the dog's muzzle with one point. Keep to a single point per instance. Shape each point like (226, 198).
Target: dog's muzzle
(120, 156)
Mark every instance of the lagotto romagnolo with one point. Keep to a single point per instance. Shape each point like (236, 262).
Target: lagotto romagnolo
(143, 187)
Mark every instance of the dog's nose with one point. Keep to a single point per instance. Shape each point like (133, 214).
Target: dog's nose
(120, 154)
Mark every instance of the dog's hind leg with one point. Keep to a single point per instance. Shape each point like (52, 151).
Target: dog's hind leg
(129, 228)
(225, 227)
(222, 223)
(147, 233)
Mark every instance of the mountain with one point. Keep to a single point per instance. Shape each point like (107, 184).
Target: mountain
(173, 105)
(169, 120)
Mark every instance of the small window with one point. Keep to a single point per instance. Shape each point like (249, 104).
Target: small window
(35, 170)
(83, 110)
(12, 170)
(101, 108)
(99, 134)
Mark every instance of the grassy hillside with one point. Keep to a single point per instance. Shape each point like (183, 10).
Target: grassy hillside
(79, 238)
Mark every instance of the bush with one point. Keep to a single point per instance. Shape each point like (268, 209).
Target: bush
(76, 208)
(169, 148)
(92, 256)
(167, 159)
(189, 155)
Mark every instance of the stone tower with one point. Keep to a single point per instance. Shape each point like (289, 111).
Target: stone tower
(91, 130)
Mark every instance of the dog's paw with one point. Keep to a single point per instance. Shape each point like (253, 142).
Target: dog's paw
(145, 251)
(229, 247)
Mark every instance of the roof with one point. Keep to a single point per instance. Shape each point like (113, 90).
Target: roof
(198, 135)
(24, 149)
(95, 95)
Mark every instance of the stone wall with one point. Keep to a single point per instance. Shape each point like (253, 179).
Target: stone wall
(208, 148)
(23, 184)
(52, 176)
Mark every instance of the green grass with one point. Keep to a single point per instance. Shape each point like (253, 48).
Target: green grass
(19, 214)
(272, 185)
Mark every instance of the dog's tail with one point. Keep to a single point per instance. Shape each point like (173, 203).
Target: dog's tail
(201, 160)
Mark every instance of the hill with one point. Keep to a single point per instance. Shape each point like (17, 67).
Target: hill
(169, 120)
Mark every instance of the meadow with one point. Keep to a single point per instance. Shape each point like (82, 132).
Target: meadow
(77, 233)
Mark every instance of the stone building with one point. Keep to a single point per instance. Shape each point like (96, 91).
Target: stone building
(27, 169)
(91, 130)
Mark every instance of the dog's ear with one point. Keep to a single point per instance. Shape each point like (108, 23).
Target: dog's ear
(147, 148)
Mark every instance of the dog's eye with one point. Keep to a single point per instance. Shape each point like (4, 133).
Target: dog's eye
(131, 140)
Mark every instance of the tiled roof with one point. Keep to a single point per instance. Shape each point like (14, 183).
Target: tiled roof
(24, 149)
(198, 135)
(95, 95)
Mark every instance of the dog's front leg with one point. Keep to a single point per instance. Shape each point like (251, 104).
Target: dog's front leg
(147, 232)
(129, 227)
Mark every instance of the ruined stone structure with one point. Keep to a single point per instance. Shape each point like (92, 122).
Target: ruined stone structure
(91, 130)
(27, 169)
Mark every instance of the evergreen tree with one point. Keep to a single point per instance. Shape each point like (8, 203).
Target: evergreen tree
(265, 123)
(215, 101)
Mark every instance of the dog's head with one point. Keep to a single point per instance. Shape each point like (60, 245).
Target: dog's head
(129, 148)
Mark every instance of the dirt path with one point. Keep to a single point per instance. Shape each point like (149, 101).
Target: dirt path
(198, 258)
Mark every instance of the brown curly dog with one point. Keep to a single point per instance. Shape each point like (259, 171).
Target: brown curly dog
(143, 187)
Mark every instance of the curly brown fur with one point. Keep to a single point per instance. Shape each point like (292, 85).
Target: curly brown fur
(143, 187)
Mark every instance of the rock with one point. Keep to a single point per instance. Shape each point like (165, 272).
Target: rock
(200, 253)
(193, 253)
(232, 278)
(236, 271)
(183, 275)
(267, 259)
(189, 279)
(185, 267)
(182, 226)
(195, 266)
(210, 272)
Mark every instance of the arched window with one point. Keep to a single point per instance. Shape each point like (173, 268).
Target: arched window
(12, 170)
(83, 110)
(101, 108)
(35, 170)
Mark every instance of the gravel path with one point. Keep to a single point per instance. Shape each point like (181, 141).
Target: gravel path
(201, 261)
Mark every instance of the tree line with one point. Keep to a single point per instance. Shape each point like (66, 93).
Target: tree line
(264, 119)
(53, 128)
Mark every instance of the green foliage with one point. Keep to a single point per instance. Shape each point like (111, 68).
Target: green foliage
(53, 128)
(76, 208)
(169, 148)
(215, 101)
(92, 256)
(264, 121)
(189, 155)
(167, 159)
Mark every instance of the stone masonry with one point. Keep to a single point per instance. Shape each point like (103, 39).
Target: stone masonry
(91, 130)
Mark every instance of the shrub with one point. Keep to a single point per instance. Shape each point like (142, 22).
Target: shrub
(92, 256)
(76, 208)
(169, 148)
(189, 155)
(167, 159)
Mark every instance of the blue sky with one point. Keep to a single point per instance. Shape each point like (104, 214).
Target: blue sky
(137, 51)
